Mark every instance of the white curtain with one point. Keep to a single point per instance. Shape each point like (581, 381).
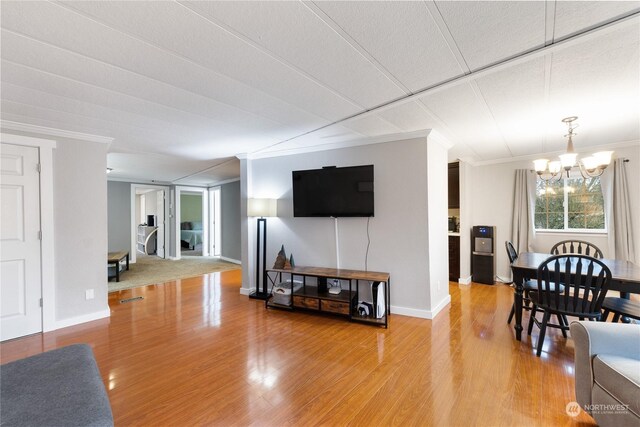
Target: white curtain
(617, 211)
(524, 199)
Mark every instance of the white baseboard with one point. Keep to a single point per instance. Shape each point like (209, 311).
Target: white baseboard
(245, 291)
(65, 323)
(438, 308)
(422, 314)
(411, 312)
(464, 280)
(235, 261)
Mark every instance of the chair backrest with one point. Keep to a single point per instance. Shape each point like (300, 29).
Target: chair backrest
(579, 247)
(511, 251)
(585, 281)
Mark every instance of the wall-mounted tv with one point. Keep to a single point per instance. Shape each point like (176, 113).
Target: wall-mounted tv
(333, 192)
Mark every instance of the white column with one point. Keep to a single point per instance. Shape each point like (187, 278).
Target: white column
(437, 211)
(247, 232)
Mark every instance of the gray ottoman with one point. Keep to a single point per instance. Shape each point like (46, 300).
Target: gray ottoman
(61, 387)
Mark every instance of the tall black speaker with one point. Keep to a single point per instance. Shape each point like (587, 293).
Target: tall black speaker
(483, 254)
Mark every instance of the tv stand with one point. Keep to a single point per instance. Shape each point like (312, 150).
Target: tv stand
(345, 303)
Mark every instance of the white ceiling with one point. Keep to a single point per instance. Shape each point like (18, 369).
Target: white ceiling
(183, 87)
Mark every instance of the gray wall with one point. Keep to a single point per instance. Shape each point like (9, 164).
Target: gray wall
(80, 220)
(230, 220)
(399, 230)
(119, 215)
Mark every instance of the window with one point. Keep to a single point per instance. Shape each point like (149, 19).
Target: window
(571, 204)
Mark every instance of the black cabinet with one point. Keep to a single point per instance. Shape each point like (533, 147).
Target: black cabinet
(454, 258)
(454, 185)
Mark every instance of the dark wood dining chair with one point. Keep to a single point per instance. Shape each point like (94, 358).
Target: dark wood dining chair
(579, 247)
(586, 281)
(529, 285)
(620, 307)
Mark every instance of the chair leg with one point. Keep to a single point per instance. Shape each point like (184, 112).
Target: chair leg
(534, 310)
(605, 314)
(562, 324)
(512, 313)
(566, 321)
(543, 329)
(616, 317)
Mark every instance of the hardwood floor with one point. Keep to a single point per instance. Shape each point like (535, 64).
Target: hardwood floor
(196, 352)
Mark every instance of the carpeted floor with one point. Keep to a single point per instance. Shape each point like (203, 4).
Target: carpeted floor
(151, 269)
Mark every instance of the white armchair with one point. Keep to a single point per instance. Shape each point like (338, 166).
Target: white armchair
(607, 371)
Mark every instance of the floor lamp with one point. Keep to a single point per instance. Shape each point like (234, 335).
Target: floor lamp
(261, 208)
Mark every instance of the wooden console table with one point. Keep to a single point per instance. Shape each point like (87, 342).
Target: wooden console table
(345, 303)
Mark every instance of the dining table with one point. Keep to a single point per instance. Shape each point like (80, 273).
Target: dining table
(625, 278)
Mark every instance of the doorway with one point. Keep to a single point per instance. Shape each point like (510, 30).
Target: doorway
(148, 225)
(192, 221)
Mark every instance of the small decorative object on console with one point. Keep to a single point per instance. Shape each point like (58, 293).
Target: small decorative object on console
(280, 259)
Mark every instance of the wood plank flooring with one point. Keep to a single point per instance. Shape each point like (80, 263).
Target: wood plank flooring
(196, 352)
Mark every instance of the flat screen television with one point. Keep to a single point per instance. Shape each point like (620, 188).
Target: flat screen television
(333, 192)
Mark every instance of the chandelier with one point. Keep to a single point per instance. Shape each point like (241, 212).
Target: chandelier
(589, 167)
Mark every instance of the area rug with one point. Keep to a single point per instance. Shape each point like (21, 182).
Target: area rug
(153, 270)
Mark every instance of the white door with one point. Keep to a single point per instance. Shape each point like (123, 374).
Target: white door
(160, 223)
(20, 262)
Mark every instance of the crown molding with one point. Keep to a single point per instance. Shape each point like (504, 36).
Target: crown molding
(439, 139)
(394, 137)
(24, 127)
(612, 146)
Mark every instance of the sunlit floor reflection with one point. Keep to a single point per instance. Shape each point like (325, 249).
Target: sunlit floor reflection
(211, 299)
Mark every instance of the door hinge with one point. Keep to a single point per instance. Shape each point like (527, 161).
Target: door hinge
(40, 235)
(40, 302)
(39, 167)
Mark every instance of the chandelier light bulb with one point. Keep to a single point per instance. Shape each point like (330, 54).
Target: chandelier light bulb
(540, 165)
(603, 158)
(554, 167)
(590, 163)
(589, 167)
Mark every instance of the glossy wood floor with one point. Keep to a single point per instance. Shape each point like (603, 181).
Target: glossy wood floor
(195, 352)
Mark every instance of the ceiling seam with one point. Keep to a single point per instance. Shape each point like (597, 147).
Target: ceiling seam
(141, 129)
(127, 94)
(549, 21)
(270, 54)
(358, 48)
(361, 50)
(434, 12)
(189, 60)
(480, 97)
(90, 104)
(489, 69)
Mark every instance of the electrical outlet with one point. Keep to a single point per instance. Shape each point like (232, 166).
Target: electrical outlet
(88, 294)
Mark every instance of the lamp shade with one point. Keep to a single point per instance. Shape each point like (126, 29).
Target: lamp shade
(262, 207)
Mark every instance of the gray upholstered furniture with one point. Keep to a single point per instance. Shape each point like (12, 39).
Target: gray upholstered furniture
(61, 387)
(607, 358)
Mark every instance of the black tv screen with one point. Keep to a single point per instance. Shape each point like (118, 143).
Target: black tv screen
(333, 192)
